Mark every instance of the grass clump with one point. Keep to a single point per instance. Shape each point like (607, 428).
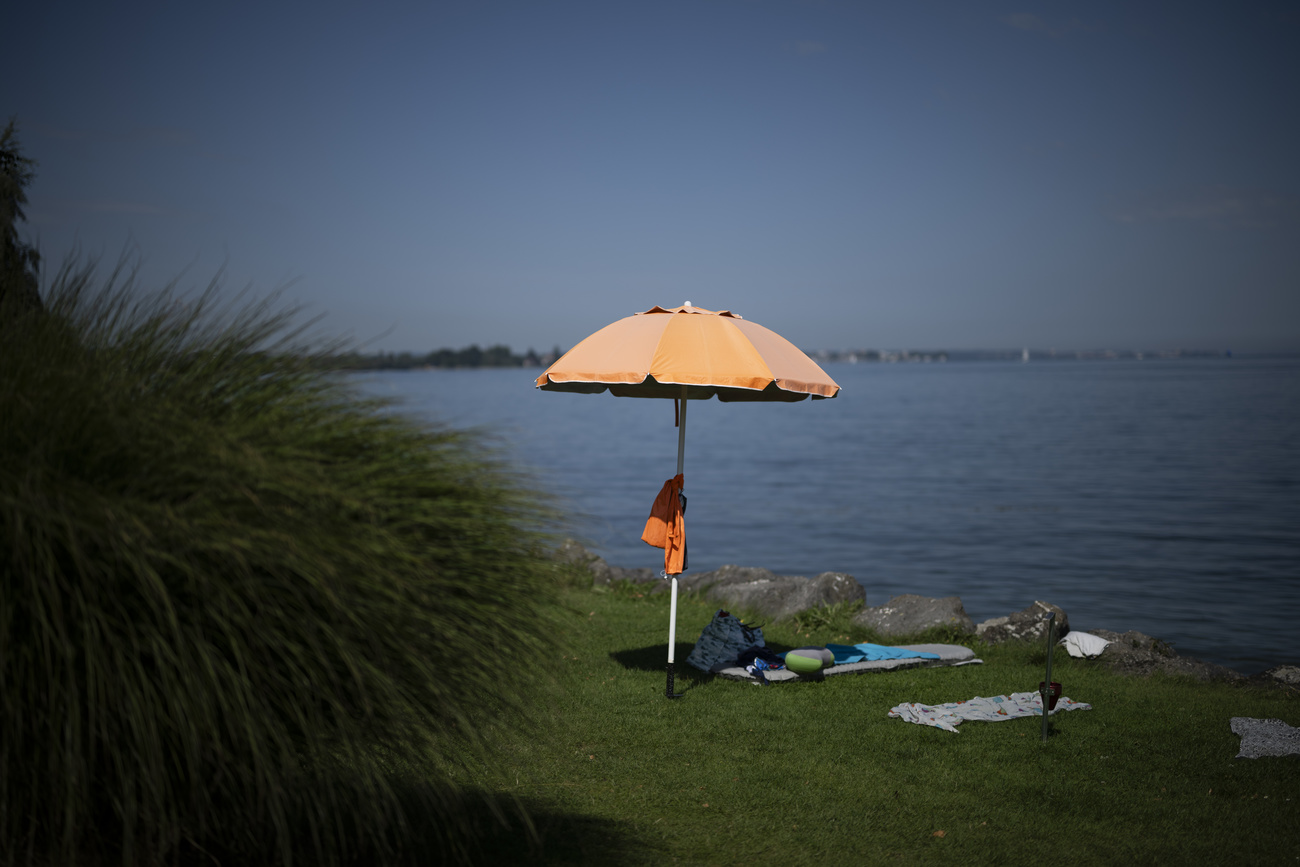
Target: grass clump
(244, 614)
(835, 619)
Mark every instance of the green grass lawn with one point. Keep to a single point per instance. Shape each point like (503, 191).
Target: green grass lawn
(818, 774)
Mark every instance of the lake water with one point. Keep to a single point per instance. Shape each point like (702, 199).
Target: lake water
(1162, 496)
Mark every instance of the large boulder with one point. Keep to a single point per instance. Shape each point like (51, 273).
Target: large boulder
(1027, 625)
(781, 596)
(908, 614)
(601, 572)
(1284, 676)
(725, 576)
(1136, 653)
(747, 587)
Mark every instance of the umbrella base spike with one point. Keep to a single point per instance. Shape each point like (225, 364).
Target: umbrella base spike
(668, 690)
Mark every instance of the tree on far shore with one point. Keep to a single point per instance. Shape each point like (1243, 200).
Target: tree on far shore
(19, 261)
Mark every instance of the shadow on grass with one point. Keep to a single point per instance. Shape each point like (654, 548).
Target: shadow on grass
(498, 830)
(469, 827)
(554, 838)
(655, 658)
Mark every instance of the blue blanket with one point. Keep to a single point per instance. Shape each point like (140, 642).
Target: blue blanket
(846, 653)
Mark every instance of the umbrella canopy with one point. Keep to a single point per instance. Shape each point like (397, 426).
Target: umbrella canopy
(711, 353)
(686, 353)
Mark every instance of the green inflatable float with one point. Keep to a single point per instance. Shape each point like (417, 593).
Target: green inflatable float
(809, 660)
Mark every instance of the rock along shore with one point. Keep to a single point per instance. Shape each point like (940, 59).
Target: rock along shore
(778, 597)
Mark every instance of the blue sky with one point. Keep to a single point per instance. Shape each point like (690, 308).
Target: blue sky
(923, 175)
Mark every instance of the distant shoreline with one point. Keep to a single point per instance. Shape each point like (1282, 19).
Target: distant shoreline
(855, 356)
(471, 357)
(474, 358)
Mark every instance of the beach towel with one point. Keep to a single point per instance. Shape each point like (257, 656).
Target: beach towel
(846, 653)
(666, 526)
(1265, 737)
(999, 707)
(928, 655)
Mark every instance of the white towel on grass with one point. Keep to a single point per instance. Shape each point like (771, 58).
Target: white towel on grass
(999, 707)
(1265, 737)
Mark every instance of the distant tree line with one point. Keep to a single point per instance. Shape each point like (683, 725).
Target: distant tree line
(499, 355)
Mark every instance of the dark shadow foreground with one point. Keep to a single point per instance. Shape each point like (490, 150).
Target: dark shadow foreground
(481, 830)
(562, 838)
(498, 830)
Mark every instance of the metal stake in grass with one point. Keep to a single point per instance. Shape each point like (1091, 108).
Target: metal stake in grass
(1046, 689)
(672, 633)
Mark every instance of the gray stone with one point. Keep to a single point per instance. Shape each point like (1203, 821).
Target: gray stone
(908, 614)
(1283, 677)
(746, 587)
(1027, 625)
(574, 553)
(1288, 674)
(724, 576)
(777, 596)
(571, 551)
(1136, 653)
(603, 573)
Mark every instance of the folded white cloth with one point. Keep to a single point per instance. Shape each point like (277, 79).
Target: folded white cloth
(1083, 644)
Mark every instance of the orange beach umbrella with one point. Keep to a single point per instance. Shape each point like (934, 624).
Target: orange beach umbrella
(687, 353)
(658, 352)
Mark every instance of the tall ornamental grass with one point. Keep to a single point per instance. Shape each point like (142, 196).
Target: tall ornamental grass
(245, 615)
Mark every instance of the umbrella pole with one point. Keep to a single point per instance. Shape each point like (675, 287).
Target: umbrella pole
(672, 641)
(672, 615)
(681, 434)
(1045, 691)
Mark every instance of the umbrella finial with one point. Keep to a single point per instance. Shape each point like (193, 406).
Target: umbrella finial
(688, 304)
